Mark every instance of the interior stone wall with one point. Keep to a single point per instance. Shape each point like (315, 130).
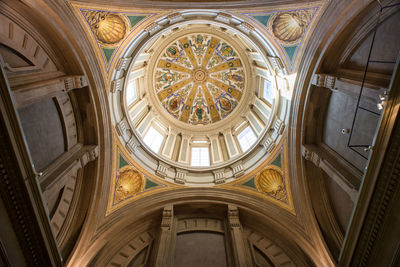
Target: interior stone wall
(385, 48)
(43, 131)
(199, 249)
(340, 113)
(341, 203)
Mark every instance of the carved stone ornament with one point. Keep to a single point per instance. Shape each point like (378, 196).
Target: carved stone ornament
(167, 217)
(153, 28)
(219, 176)
(311, 156)
(223, 17)
(162, 169)
(180, 176)
(123, 63)
(174, 18)
(92, 153)
(131, 145)
(271, 182)
(117, 85)
(324, 80)
(233, 216)
(289, 27)
(237, 169)
(129, 183)
(121, 127)
(276, 62)
(245, 27)
(75, 82)
(279, 126)
(269, 144)
(109, 28)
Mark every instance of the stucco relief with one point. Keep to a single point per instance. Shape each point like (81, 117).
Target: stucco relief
(199, 79)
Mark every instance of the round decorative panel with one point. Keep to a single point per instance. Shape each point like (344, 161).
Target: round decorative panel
(199, 79)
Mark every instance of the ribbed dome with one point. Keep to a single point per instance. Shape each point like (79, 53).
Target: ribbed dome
(199, 79)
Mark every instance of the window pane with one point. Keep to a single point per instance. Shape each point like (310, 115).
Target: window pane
(153, 139)
(200, 157)
(246, 138)
(268, 93)
(131, 93)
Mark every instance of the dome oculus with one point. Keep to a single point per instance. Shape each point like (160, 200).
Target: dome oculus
(199, 79)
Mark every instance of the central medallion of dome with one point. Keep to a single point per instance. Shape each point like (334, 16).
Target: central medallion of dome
(199, 78)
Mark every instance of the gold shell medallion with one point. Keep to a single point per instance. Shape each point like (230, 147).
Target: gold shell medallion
(271, 182)
(289, 27)
(109, 28)
(129, 183)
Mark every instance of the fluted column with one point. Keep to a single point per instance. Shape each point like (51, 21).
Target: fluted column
(240, 252)
(163, 252)
(231, 145)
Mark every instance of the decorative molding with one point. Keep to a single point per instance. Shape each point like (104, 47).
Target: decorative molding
(175, 17)
(19, 188)
(223, 17)
(153, 28)
(122, 126)
(309, 153)
(128, 252)
(276, 63)
(219, 176)
(383, 201)
(91, 154)
(233, 216)
(180, 176)
(245, 27)
(123, 63)
(162, 169)
(269, 144)
(132, 145)
(117, 85)
(311, 156)
(75, 82)
(237, 169)
(324, 80)
(200, 224)
(167, 217)
(29, 93)
(279, 125)
(275, 254)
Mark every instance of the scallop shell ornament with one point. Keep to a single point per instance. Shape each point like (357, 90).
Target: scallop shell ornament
(109, 28)
(289, 27)
(271, 182)
(129, 183)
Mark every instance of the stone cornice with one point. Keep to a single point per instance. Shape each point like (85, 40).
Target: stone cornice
(20, 190)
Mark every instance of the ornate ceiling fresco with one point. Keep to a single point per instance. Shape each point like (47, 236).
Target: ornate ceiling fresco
(110, 29)
(130, 181)
(270, 181)
(287, 28)
(199, 79)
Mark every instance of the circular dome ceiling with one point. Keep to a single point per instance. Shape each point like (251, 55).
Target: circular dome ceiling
(199, 96)
(199, 78)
